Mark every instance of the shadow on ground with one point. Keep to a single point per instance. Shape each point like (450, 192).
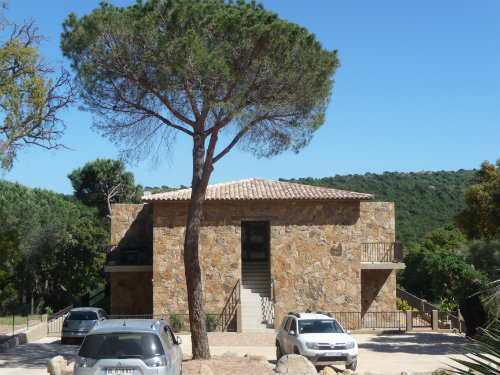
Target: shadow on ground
(36, 355)
(416, 343)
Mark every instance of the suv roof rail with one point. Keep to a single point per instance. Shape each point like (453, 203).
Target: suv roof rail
(294, 314)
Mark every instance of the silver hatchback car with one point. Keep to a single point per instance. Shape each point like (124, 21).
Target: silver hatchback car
(130, 346)
(79, 321)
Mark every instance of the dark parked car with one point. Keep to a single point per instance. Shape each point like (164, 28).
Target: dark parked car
(130, 346)
(80, 321)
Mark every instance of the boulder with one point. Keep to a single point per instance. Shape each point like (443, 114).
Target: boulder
(69, 370)
(295, 364)
(56, 365)
(230, 354)
(205, 370)
(329, 371)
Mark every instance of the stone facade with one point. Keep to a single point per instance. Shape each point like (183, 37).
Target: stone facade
(132, 232)
(315, 253)
(131, 293)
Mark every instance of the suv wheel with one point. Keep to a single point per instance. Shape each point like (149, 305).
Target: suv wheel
(296, 350)
(352, 366)
(279, 353)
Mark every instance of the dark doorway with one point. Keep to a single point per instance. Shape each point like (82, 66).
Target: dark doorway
(255, 241)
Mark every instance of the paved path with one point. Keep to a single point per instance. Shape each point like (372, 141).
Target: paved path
(378, 354)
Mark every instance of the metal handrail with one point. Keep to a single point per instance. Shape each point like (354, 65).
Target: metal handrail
(60, 313)
(227, 314)
(382, 252)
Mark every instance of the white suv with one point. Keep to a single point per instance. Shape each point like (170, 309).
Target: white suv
(318, 337)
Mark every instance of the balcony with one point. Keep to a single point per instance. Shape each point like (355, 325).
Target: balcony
(126, 259)
(382, 255)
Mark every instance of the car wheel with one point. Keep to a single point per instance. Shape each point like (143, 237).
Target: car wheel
(296, 350)
(279, 353)
(352, 366)
(64, 341)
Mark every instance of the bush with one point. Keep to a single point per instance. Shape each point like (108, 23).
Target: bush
(176, 322)
(49, 310)
(402, 304)
(212, 321)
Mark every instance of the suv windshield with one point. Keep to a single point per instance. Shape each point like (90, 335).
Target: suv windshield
(82, 315)
(121, 345)
(319, 326)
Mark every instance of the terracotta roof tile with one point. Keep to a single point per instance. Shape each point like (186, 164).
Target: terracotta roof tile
(260, 189)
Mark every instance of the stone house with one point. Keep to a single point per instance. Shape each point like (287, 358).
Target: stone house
(274, 246)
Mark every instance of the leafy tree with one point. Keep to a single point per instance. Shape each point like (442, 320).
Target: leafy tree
(206, 69)
(485, 256)
(481, 218)
(44, 221)
(77, 266)
(103, 182)
(438, 269)
(10, 253)
(30, 99)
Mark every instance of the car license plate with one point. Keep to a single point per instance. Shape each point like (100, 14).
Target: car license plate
(118, 371)
(332, 354)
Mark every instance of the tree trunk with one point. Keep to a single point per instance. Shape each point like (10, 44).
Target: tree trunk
(201, 175)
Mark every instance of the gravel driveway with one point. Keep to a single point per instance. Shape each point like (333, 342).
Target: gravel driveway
(378, 354)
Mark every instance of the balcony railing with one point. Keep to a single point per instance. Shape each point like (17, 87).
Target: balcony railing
(118, 256)
(382, 252)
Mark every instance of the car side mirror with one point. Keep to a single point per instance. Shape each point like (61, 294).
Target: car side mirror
(292, 332)
(348, 331)
(178, 340)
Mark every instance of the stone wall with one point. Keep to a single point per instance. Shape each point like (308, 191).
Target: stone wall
(131, 226)
(131, 293)
(378, 290)
(315, 251)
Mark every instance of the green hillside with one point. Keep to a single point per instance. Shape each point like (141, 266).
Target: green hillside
(424, 201)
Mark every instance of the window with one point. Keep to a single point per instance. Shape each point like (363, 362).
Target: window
(167, 338)
(293, 326)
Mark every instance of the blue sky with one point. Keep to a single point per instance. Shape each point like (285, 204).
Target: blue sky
(418, 89)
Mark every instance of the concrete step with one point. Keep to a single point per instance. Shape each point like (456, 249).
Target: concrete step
(256, 281)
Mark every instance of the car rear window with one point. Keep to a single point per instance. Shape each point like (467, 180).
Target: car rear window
(121, 345)
(82, 315)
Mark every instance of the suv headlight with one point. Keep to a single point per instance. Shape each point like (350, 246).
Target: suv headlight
(159, 361)
(85, 361)
(349, 345)
(312, 345)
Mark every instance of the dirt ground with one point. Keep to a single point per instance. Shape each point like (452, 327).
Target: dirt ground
(254, 354)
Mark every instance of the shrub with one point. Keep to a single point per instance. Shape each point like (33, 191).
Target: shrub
(402, 304)
(49, 310)
(212, 321)
(176, 322)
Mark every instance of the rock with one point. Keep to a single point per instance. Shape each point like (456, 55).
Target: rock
(348, 372)
(230, 354)
(205, 370)
(56, 365)
(329, 371)
(259, 358)
(69, 370)
(269, 365)
(295, 364)
(404, 372)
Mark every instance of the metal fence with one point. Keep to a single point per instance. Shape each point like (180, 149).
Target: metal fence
(371, 320)
(17, 320)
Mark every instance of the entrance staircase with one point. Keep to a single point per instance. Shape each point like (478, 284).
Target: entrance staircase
(257, 313)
